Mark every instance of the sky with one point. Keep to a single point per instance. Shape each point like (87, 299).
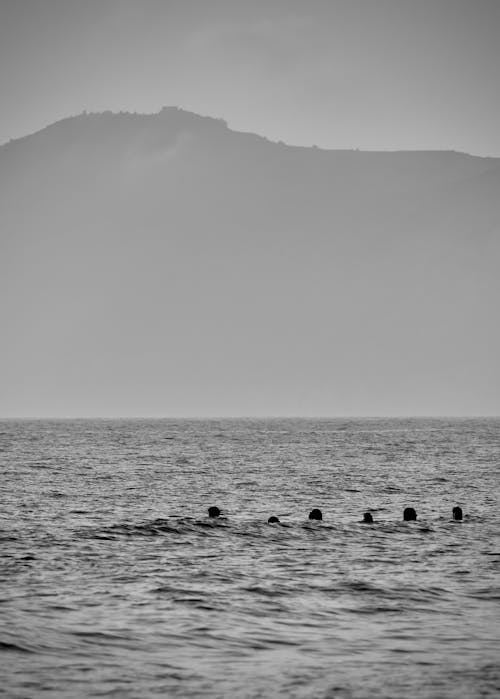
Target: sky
(368, 74)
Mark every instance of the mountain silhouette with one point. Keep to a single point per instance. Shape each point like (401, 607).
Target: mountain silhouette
(165, 264)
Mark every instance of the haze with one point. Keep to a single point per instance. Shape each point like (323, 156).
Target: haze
(166, 265)
(157, 262)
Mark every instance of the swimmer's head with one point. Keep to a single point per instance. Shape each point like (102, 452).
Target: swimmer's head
(367, 518)
(213, 511)
(409, 514)
(457, 513)
(315, 514)
(273, 520)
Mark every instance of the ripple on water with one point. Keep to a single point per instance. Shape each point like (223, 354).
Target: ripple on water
(115, 582)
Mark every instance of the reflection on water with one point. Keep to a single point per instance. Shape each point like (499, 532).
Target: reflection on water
(115, 582)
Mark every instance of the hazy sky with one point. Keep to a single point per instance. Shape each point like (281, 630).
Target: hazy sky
(373, 74)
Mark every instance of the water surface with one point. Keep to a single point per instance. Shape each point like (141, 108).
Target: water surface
(113, 581)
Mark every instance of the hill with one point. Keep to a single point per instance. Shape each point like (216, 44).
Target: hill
(164, 264)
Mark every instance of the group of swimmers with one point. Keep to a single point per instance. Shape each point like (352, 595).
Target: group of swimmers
(409, 515)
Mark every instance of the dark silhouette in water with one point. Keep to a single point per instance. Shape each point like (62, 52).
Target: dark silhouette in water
(367, 518)
(457, 513)
(315, 514)
(213, 511)
(409, 514)
(272, 520)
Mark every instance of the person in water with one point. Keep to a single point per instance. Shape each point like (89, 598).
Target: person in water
(457, 513)
(315, 514)
(273, 520)
(409, 514)
(367, 518)
(213, 511)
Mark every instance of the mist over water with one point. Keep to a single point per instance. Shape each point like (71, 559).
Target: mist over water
(164, 264)
(114, 582)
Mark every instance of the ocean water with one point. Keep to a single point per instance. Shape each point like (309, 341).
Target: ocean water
(114, 582)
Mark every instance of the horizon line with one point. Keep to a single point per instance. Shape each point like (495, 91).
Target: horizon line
(252, 417)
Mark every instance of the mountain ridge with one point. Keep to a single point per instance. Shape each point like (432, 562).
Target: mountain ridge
(193, 118)
(165, 264)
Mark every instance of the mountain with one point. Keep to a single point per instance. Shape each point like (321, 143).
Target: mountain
(166, 265)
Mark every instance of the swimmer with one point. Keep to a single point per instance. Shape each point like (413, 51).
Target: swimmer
(457, 513)
(409, 514)
(273, 520)
(213, 511)
(315, 514)
(367, 518)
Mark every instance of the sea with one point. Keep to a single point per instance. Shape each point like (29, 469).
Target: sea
(114, 582)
